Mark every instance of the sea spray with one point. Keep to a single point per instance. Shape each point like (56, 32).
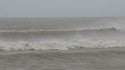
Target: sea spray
(60, 45)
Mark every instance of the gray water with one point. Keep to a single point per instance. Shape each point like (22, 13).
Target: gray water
(84, 59)
(61, 33)
(62, 44)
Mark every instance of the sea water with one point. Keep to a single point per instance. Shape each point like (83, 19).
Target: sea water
(61, 33)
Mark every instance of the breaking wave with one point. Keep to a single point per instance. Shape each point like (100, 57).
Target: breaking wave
(61, 40)
(60, 45)
(61, 34)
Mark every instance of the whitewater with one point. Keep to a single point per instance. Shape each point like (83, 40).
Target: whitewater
(61, 33)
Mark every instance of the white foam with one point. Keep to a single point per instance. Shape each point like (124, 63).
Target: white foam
(60, 45)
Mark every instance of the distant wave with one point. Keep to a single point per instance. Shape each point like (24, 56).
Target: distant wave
(61, 35)
(90, 29)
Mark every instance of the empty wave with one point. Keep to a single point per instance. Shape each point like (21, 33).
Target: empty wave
(90, 29)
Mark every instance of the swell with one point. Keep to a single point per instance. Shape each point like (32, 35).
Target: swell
(105, 33)
(90, 29)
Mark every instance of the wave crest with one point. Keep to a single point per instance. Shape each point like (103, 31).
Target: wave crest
(60, 45)
(91, 29)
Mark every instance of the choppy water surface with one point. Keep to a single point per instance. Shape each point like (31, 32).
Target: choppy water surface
(84, 59)
(62, 44)
(61, 33)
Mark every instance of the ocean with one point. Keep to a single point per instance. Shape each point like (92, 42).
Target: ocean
(61, 33)
(62, 43)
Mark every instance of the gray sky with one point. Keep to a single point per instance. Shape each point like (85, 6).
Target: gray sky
(62, 8)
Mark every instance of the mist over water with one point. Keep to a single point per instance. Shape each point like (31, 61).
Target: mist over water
(61, 33)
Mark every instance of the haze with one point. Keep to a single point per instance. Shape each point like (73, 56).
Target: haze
(62, 8)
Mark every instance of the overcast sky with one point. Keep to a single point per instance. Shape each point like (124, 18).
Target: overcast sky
(62, 8)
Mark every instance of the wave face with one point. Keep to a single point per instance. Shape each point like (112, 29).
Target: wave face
(61, 33)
